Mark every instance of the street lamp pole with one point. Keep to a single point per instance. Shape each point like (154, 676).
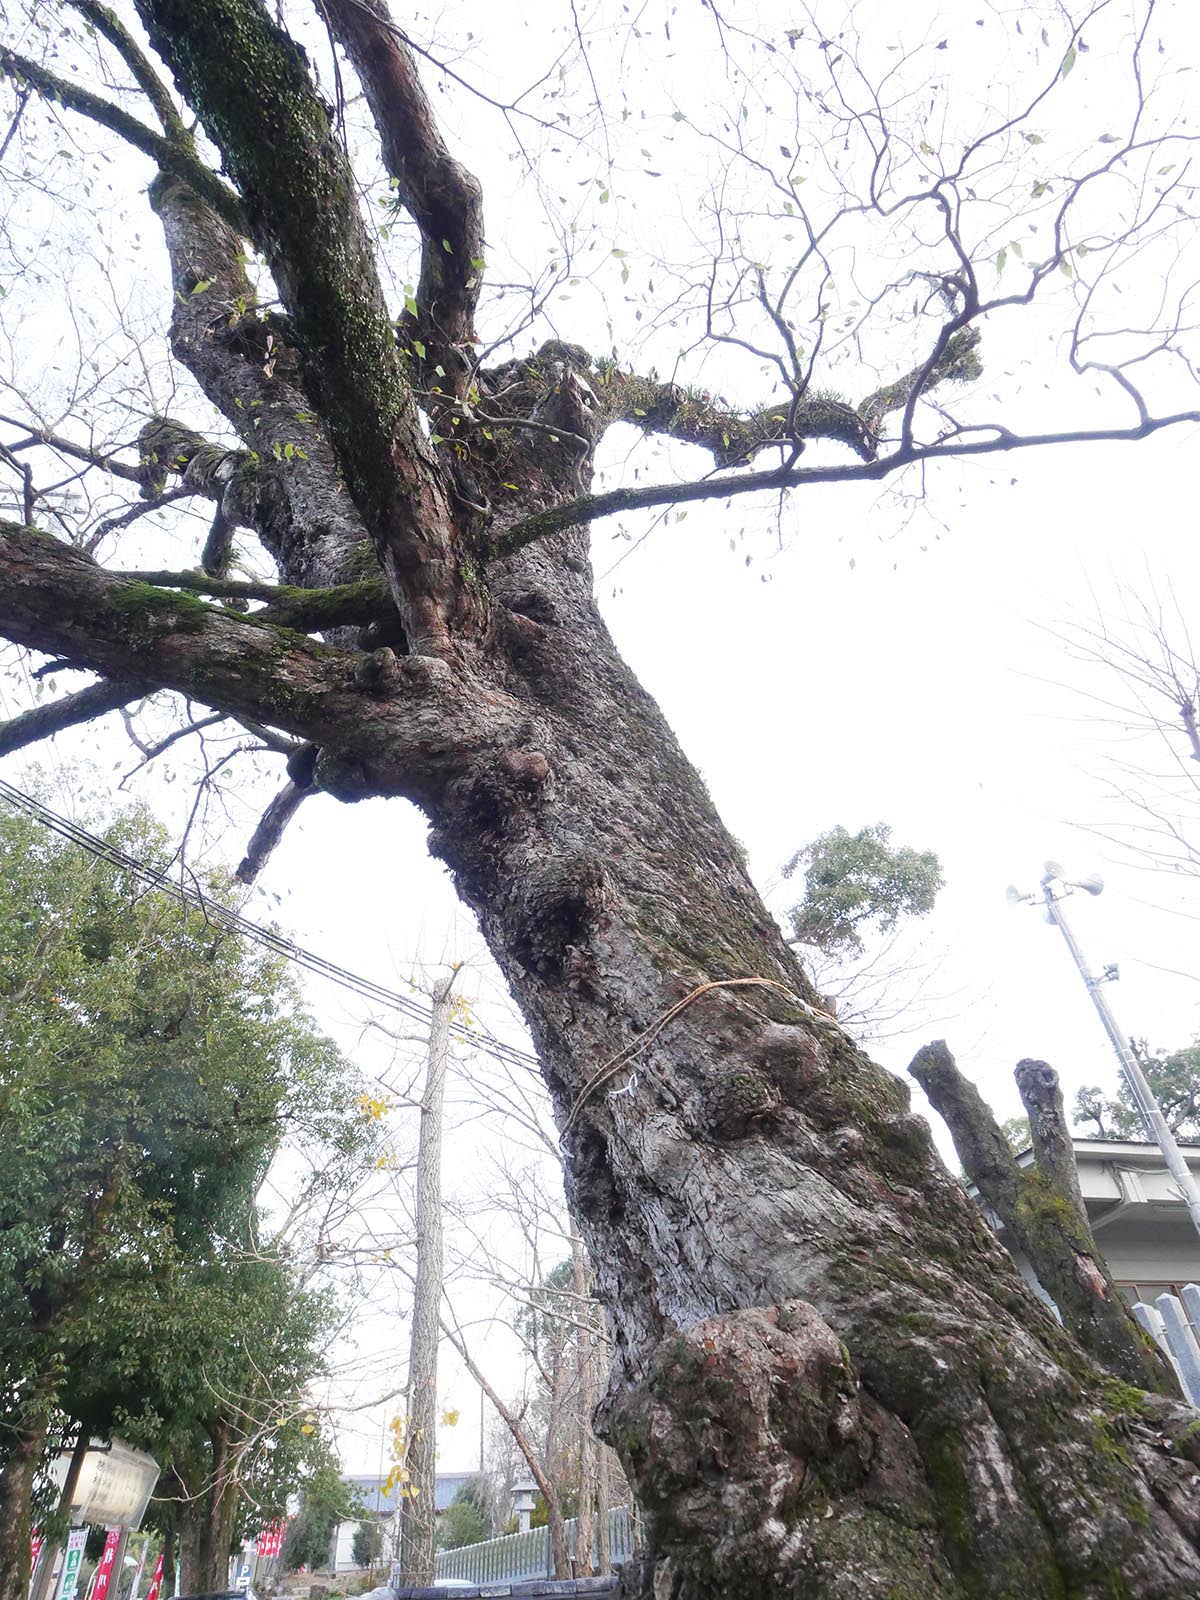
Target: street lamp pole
(1143, 1094)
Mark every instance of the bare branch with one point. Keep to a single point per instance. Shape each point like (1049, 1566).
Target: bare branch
(588, 508)
(68, 447)
(97, 700)
(170, 155)
(270, 830)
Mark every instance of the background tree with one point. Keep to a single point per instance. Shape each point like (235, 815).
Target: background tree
(367, 1543)
(150, 1068)
(859, 890)
(464, 1520)
(859, 883)
(327, 1501)
(879, 1415)
(1175, 1078)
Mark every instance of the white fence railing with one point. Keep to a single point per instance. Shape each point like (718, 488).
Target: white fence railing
(528, 1555)
(1172, 1321)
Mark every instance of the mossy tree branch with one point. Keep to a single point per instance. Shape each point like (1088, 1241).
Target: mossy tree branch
(732, 436)
(1046, 1221)
(110, 27)
(250, 85)
(390, 735)
(305, 610)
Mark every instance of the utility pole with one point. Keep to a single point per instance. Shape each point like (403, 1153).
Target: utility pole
(1139, 1086)
(417, 1508)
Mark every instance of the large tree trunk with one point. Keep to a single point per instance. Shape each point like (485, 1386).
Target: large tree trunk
(170, 1540)
(23, 1449)
(829, 1379)
(206, 1521)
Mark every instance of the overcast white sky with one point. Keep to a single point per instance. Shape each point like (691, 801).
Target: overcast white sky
(859, 660)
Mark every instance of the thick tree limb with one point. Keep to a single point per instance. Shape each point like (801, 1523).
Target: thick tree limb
(110, 27)
(399, 729)
(97, 700)
(730, 436)
(308, 610)
(250, 85)
(285, 484)
(1041, 1095)
(1046, 1222)
(169, 154)
(442, 197)
(957, 362)
(733, 437)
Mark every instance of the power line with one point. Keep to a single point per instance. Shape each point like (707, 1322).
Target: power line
(233, 922)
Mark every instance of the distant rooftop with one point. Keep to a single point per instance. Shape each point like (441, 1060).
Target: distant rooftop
(370, 1487)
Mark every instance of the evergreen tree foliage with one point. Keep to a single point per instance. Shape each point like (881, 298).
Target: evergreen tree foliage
(855, 882)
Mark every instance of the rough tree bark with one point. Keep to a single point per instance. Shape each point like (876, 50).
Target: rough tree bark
(828, 1378)
(418, 1504)
(22, 1455)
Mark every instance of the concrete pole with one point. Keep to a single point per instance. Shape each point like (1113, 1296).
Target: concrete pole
(1143, 1094)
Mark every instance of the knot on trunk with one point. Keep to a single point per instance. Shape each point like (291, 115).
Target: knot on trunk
(343, 776)
(742, 1102)
(563, 902)
(748, 1422)
(529, 770)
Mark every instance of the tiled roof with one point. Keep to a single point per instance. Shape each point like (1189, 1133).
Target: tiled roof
(370, 1487)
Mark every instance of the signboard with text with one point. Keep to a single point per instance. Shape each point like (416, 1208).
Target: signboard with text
(69, 1580)
(114, 1485)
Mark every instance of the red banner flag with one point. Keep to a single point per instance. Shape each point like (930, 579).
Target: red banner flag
(35, 1548)
(104, 1570)
(156, 1580)
(270, 1540)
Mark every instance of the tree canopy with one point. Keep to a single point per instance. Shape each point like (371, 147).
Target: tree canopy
(151, 1068)
(1175, 1078)
(855, 882)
